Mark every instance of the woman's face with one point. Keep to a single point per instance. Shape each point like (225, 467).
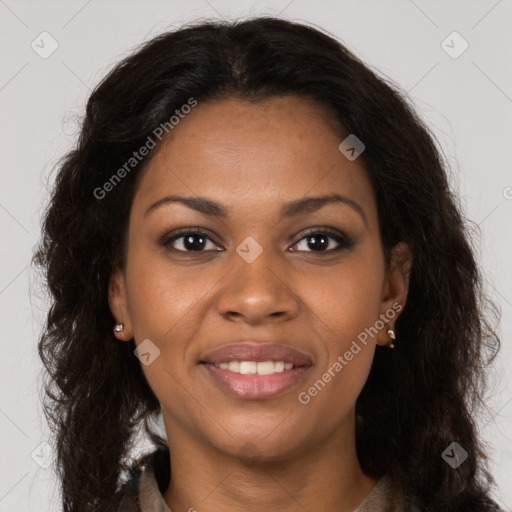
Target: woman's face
(273, 276)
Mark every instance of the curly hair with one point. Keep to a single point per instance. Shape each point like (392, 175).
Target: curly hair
(418, 399)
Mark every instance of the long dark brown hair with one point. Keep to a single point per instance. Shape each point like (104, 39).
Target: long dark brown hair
(419, 398)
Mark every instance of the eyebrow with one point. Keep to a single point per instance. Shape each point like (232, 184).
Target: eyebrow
(291, 209)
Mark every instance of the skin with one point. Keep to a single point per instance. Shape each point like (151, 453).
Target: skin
(274, 454)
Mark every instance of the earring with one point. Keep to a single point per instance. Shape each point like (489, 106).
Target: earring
(391, 334)
(118, 327)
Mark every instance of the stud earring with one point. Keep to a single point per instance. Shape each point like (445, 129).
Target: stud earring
(391, 334)
(118, 327)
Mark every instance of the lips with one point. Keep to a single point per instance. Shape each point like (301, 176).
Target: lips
(257, 352)
(256, 371)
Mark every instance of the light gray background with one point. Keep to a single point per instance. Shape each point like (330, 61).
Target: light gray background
(466, 100)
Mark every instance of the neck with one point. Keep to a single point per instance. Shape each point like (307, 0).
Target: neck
(327, 476)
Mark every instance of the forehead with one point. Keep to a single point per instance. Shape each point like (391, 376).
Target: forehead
(252, 153)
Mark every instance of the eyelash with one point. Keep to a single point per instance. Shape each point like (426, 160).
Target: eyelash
(343, 241)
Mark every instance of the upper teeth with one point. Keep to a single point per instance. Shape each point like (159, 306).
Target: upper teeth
(253, 367)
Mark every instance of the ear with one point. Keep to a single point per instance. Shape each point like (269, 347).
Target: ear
(117, 300)
(394, 290)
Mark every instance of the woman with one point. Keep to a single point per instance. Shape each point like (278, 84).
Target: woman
(255, 238)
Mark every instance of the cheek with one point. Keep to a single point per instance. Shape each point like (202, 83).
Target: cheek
(344, 301)
(347, 307)
(167, 306)
(163, 307)
(163, 311)
(161, 300)
(344, 304)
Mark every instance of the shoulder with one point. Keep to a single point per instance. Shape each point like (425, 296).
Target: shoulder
(153, 467)
(388, 496)
(126, 498)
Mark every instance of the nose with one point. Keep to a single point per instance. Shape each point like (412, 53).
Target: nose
(257, 293)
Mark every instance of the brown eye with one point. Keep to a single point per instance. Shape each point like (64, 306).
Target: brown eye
(189, 241)
(323, 241)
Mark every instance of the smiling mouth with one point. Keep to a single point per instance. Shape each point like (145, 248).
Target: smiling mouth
(258, 371)
(251, 380)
